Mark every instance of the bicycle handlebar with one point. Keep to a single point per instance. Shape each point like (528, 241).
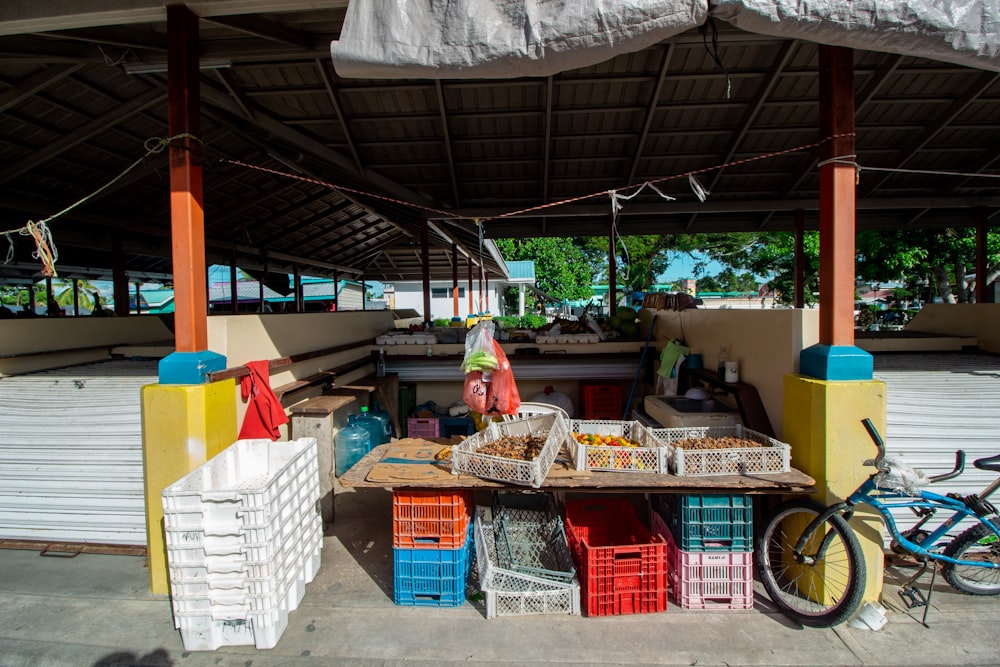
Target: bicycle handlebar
(959, 468)
(879, 462)
(881, 465)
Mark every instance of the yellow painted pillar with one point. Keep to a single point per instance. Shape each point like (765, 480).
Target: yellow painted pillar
(823, 426)
(182, 427)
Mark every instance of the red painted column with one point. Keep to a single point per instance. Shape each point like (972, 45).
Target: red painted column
(425, 261)
(471, 311)
(187, 212)
(798, 298)
(454, 277)
(982, 228)
(836, 196)
(612, 270)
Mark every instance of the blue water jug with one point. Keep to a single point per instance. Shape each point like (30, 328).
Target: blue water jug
(382, 415)
(374, 427)
(352, 442)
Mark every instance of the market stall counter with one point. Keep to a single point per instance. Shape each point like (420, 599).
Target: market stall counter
(388, 466)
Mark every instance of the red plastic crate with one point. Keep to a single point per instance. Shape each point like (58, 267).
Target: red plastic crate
(714, 580)
(431, 519)
(423, 427)
(621, 565)
(601, 401)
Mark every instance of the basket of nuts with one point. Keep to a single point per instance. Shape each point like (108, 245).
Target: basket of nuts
(519, 452)
(723, 450)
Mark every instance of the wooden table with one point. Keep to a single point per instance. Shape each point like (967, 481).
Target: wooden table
(794, 481)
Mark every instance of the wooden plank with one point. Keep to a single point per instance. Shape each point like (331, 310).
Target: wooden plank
(70, 549)
(321, 405)
(794, 481)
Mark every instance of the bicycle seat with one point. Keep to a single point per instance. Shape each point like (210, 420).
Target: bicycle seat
(991, 463)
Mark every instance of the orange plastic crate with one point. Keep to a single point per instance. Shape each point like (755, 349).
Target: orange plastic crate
(601, 401)
(622, 566)
(431, 519)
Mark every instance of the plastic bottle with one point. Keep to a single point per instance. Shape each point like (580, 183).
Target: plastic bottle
(384, 418)
(723, 358)
(380, 365)
(352, 442)
(373, 425)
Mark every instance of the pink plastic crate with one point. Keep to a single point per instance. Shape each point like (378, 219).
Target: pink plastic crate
(715, 580)
(423, 427)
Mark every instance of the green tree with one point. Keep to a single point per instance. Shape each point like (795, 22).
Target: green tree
(769, 254)
(560, 267)
(940, 258)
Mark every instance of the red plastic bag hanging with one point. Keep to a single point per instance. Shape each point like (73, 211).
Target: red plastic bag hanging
(493, 393)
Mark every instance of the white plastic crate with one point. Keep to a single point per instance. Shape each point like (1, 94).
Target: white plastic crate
(650, 456)
(707, 580)
(772, 456)
(248, 482)
(466, 459)
(510, 593)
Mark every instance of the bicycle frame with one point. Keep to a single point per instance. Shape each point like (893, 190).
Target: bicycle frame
(873, 496)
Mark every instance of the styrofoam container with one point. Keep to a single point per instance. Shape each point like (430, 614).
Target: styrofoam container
(466, 459)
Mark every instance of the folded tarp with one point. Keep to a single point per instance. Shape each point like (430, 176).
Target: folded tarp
(396, 39)
(965, 32)
(499, 39)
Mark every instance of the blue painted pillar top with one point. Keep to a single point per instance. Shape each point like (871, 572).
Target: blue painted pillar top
(836, 362)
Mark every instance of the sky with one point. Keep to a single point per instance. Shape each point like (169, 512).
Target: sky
(682, 266)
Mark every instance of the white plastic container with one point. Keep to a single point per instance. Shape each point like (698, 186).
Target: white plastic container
(243, 538)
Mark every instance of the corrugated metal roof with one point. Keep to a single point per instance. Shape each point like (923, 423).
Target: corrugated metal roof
(73, 119)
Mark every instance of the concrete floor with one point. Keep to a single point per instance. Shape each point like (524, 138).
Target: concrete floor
(95, 610)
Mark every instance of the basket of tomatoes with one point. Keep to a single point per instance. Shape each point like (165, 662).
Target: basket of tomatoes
(621, 446)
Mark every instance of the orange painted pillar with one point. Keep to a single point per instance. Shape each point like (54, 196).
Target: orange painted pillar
(835, 357)
(454, 279)
(425, 262)
(192, 361)
(836, 194)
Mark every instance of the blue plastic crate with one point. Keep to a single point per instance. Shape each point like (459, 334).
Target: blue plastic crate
(708, 522)
(432, 577)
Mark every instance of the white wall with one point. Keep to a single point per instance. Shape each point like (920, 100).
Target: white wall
(766, 342)
(411, 295)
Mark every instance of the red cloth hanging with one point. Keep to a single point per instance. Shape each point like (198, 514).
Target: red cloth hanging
(264, 411)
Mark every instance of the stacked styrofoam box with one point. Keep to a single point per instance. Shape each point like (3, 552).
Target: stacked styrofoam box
(709, 549)
(510, 593)
(243, 539)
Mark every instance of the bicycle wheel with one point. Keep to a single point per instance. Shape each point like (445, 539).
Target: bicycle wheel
(977, 543)
(823, 586)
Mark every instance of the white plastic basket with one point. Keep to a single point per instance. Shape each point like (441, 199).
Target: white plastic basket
(772, 456)
(650, 456)
(466, 458)
(510, 593)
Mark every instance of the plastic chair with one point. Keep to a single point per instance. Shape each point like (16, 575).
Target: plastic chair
(529, 409)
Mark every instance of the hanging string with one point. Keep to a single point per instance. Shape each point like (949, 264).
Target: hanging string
(45, 248)
(714, 50)
(699, 190)
(482, 242)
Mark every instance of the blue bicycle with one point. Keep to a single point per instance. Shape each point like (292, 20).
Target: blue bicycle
(811, 563)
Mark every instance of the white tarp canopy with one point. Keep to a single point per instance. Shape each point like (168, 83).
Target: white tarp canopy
(396, 39)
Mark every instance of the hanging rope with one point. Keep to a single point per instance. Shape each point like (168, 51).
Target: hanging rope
(45, 247)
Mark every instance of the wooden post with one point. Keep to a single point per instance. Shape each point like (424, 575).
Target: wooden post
(299, 297)
(454, 278)
(612, 269)
(837, 196)
(982, 228)
(799, 223)
(425, 265)
(118, 275)
(187, 221)
(234, 297)
(471, 311)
